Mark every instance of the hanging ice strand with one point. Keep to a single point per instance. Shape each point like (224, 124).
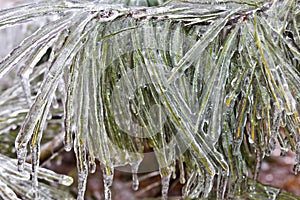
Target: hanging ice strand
(108, 175)
(297, 159)
(135, 180)
(165, 181)
(82, 167)
(165, 174)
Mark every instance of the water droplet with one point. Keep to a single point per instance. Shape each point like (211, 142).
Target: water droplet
(250, 140)
(92, 167)
(68, 147)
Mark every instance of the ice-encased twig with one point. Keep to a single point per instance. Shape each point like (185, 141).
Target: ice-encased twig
(49, 85)
(20, 183)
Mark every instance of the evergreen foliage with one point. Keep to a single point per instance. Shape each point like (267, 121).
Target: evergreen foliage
(209, 86)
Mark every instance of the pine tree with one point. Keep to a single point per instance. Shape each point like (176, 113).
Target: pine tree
(204, 87)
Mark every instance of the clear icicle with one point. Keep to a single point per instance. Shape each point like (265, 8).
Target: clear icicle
(297, 159)
(69, 105)
(108, 175)
(181, 169)
(82, 166)
(35, 168)
(135, 180)
(35, 149)
(165, 181)
(25, 82)
(82, 178)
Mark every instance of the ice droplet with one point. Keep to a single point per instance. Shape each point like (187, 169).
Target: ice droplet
(68, 147)
(251, 141)
(92, 167)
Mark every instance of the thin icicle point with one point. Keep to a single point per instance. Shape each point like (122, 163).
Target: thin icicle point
(135, 180)
(82, 166)
(68, 145)
(108, 175)
(82, 170)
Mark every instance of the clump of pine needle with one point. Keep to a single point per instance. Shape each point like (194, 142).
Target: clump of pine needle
(204, 84)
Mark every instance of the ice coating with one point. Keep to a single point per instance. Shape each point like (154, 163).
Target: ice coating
(190, 81)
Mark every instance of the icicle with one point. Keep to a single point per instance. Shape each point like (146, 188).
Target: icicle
(82, 171)
(68, 142)
(194, 185)
(69, 105)
(165, 181)
(82, 178)
(135, 180)
(35, 151)
(82, 167)
(297, 159)
(181, 169)
(25, 82)
(108, 175)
